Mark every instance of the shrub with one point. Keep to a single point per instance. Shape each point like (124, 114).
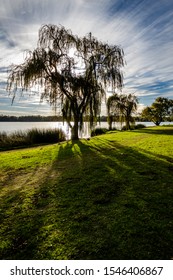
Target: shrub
(132, 127)
(123, 128)
(139, 126)
(98, 131)
(113, 129)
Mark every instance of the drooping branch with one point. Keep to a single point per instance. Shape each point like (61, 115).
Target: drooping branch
(123, 106)
(73, 71)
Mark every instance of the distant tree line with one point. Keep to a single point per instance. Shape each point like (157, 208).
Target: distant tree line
(38, 118)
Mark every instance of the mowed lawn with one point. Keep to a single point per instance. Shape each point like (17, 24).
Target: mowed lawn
(110, 197)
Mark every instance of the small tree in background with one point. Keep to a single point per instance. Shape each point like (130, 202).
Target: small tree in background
(74, 72)
(122, 106)
(113, 110)
(160, 108)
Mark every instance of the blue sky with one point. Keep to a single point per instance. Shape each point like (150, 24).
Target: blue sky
(143, 28)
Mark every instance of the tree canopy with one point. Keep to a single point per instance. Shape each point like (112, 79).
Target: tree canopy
(162, 107)
(73, 72)
(122, 106)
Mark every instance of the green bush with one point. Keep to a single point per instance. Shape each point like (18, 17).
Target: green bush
(98, 131)
(140, 125)
(132, 127)
(123, 128)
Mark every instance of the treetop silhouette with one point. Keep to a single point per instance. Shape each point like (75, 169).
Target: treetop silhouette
(74, 73)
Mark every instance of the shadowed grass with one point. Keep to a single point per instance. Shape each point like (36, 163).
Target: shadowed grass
(106, 198)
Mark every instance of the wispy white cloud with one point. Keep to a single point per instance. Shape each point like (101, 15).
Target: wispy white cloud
(142, 28)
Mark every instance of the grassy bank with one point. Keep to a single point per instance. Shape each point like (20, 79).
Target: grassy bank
(106, 198)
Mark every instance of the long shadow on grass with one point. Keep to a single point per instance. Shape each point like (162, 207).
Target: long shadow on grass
(100, 200)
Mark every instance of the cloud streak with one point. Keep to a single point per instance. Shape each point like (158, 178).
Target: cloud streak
(143, 28)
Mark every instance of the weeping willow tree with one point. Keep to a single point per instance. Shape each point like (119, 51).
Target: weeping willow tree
(74, 73)
(122, 106)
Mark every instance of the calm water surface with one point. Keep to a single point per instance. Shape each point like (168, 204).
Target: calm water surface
(10, 127)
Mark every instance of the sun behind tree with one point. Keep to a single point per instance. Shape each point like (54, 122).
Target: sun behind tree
(74, 72)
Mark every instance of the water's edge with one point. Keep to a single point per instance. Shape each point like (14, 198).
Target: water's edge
(10, 127)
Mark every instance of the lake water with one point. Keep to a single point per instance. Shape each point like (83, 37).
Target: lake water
(10, 127)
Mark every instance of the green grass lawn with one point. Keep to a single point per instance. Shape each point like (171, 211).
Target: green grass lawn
(110, 197)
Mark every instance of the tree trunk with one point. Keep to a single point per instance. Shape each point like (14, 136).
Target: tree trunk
(110, 126)
(157, 123)
(75, 129)
(127, 124)
(110, 120)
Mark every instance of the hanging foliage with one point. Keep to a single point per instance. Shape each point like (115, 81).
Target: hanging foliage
(122, 106)
(74, 72)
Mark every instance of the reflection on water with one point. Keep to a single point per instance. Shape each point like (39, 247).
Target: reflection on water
(9, 127)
